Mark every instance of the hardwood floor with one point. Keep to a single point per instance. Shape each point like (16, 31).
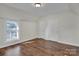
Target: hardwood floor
(40, 47)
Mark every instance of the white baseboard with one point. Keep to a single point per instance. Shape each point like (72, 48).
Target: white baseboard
(20, 41)
(6, 44)
(64, 42)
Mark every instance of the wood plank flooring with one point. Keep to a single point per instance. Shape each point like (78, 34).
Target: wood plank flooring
(40, 47)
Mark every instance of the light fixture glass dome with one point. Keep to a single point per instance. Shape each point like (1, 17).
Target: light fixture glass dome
(37, 5)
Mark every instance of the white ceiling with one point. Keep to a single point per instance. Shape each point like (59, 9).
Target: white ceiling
(30, 12)
(74, 7)
(49, 8)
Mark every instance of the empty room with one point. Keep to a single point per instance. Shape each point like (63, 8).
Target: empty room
(39, 29)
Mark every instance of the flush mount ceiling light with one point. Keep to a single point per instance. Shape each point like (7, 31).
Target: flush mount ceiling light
(37, 5)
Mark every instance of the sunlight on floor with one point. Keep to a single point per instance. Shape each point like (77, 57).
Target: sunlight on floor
(13, 51)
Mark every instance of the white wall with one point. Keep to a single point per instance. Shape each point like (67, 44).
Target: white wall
(2, 28)
(62, 27)
(27, 27)
(27, 30)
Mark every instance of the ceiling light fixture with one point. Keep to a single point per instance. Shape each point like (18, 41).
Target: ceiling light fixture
(37, 5)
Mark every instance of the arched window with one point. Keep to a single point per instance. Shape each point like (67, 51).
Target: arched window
(12, 30)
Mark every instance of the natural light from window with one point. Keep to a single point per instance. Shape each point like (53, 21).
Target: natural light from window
(12, 30)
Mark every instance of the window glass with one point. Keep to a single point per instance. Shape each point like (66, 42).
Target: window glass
(12, 30)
